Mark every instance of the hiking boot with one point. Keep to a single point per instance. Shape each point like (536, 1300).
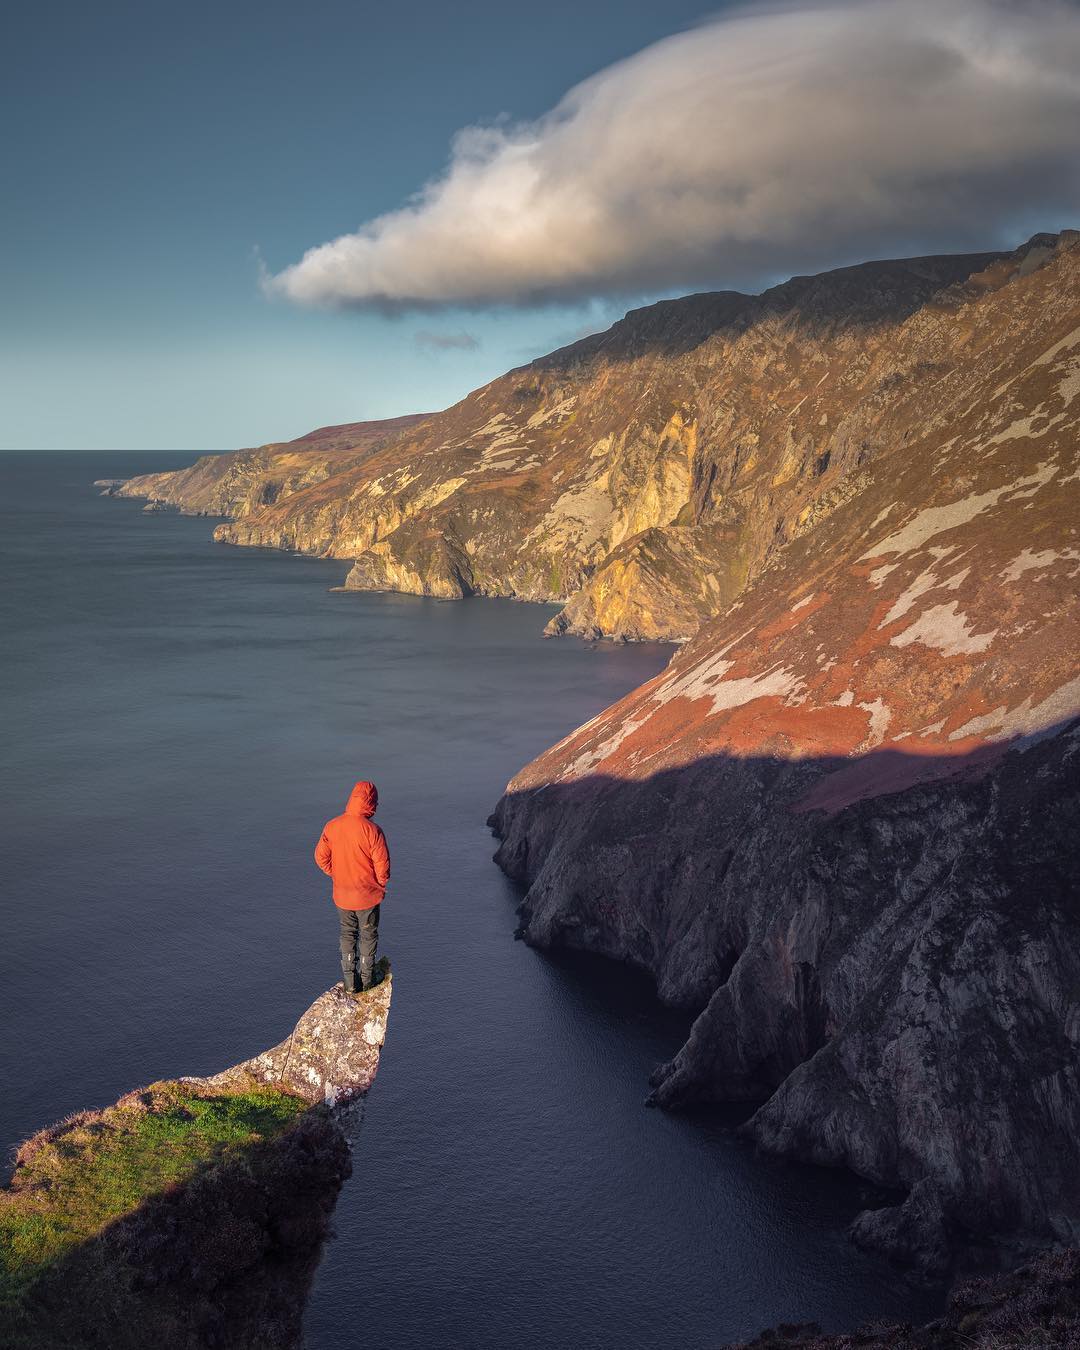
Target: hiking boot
(378, 974)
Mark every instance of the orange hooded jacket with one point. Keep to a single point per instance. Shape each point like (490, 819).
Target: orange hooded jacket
(353, 852)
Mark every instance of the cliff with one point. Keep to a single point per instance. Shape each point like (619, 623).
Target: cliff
(1036, 1306)
(192, 1212)
(842, 823)
(243, 481)
(645, 475)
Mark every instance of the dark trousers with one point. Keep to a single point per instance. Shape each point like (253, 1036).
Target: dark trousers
(359, 938)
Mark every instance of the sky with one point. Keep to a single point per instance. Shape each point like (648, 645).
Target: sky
(225, 224)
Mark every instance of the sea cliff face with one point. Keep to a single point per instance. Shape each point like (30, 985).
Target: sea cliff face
(245, 481)
(192, 1212)
(1035, 1307)
(645, 475)
(842, 823)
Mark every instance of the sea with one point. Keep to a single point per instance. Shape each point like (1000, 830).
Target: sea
(180, 718)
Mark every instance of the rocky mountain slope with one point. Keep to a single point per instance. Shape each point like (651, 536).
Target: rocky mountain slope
(843, 822)
(645, 475)
(192, 1213)
(244, 481)
(1035, 1307)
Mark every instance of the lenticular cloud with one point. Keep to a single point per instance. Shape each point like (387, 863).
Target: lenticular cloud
(770, 139)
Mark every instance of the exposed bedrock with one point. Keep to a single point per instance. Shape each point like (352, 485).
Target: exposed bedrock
(898, 986)
(842, 823)
(243, 482)
(416, 560)
(331, 1055)
(1035, 1307)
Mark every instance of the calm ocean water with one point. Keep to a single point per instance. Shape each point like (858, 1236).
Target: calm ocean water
(180, 719)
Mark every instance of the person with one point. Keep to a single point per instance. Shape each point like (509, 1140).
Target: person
(352, 852)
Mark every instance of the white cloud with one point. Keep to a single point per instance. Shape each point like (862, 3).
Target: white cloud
(774, 138)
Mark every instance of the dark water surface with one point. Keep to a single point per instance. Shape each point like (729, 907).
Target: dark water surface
(180, 717)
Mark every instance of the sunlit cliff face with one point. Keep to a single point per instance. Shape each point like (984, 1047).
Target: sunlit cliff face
(927, 627)
(904, 438)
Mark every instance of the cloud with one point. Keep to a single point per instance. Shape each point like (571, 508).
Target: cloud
(775, 138)
(445, 342)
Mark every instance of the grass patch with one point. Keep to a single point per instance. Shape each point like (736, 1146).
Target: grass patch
(76, 1178)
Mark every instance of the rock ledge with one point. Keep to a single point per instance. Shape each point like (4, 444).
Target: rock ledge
(330, 1057)
(192, 1212)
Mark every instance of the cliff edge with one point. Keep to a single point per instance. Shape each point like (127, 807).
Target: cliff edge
(192, 1212)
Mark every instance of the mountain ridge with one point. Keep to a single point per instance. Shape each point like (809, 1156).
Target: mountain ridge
(640, 476)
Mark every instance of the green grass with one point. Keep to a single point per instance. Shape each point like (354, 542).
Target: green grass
(80, 1176)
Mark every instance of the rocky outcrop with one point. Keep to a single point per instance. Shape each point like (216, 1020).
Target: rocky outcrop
(193, 1212)
(842, 823)
(332, 1054)
(644, 476)
(1036, 1306)
(244, 481)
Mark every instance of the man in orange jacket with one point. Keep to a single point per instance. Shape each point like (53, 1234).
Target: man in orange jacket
(352, 851)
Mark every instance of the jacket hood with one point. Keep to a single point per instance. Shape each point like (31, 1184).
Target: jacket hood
(363, 800)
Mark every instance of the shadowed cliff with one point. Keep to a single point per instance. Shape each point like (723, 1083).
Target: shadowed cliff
(893, 985)
(1035, 1307)
(192, 1213)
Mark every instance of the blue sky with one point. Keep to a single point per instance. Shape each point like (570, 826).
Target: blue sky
(157, 145)
(159, 156)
